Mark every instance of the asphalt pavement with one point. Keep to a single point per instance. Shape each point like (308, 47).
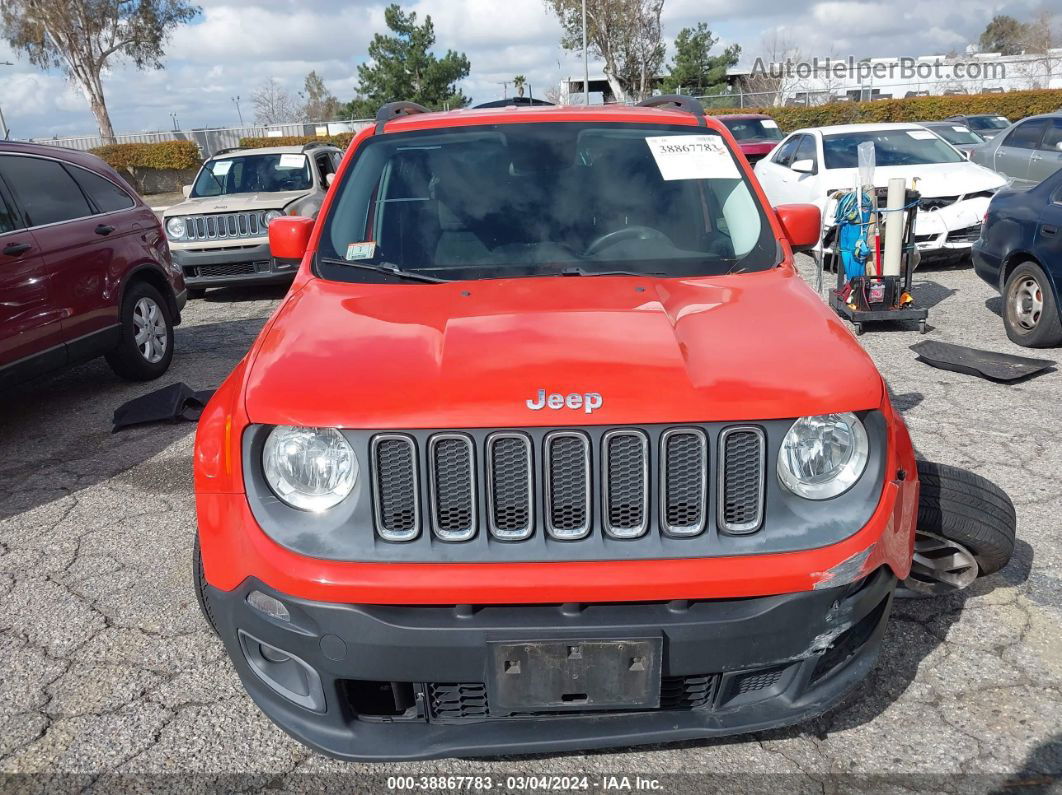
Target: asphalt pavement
(110, 678)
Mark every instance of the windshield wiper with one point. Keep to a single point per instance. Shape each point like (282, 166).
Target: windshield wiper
(385, 267)
(576, 271)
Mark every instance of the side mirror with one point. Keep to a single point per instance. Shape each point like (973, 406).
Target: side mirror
(289, 237)
(186, 190)
(803, 166)
(330, 178)
(1058, 146)
(802, 224)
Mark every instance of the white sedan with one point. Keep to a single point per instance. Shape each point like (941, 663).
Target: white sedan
(812, 164)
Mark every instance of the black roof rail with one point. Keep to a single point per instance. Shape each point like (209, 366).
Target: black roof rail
(314, 145)
(227, 150)
(394, 110)
(676, 102)
(518, 101)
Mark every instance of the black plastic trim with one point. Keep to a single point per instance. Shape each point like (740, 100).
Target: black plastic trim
(725, 638)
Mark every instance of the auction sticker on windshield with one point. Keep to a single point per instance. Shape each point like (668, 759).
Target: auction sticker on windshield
(364, 250)
(692, 157)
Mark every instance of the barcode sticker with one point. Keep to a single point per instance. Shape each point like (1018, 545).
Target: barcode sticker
(692, 157)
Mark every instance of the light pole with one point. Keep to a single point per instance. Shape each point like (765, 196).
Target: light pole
(236, 102)
(586, 63)
(4, 132)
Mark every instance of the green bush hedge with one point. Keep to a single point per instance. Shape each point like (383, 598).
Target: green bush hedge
(166, 155)
(342, 140)
(1014, 105)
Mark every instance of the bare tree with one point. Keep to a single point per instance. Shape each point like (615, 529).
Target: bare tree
(625, 34)
(82, 37)
(769, 80)
(320, 103)
(274, 105)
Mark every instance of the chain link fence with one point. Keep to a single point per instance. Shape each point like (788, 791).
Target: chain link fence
(214, 139)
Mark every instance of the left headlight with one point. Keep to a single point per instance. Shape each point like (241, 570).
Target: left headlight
(271, 215)
(175, 228)
(823, 456)
(312, 469)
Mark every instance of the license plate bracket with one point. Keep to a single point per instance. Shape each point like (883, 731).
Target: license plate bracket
(575, 675)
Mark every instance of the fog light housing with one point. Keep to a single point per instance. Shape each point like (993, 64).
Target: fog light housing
(264, 603)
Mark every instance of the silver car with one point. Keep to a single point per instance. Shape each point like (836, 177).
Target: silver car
(955, 133)
(1027, 152)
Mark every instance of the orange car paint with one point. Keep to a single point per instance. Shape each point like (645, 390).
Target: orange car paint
(468, 354)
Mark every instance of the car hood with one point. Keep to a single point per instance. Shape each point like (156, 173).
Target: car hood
(936, 179)
(234, 203)
(472, 354)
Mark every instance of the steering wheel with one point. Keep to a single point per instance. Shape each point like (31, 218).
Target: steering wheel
(626, 233)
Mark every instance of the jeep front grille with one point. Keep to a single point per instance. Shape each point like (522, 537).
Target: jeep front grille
(567, 459)
(742, 479)
(396, 488)
(510, 512)
(625, 476)
(225, 226)
(453, 492)
(684, 475)
(567, 484)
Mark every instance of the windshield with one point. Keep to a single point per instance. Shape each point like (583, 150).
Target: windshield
(753, 129)
(253, 174)
(957, 134)
(891, 148)
(987, 122)
(543, 199)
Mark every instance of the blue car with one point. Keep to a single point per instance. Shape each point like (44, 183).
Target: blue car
(1019, 253)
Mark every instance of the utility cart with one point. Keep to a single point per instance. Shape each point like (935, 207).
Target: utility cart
(876, 295)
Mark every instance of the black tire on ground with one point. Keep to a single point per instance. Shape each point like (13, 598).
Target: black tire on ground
(128, 360)
(199, 581)
(196, 292)
(1034, 330)
(968, 509)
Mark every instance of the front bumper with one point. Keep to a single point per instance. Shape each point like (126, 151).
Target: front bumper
(414, 682)
(230, 266)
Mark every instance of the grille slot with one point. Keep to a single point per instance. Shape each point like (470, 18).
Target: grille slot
(567, 463)
(741, 479)
(224, 226)
(757, 680)
(510, 486)
(687, 692)
(395, 487)
(221, 270)
(457, 700)
(684, 481)
(625, 476)
(453, 504)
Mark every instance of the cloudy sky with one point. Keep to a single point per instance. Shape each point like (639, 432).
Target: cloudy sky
(236, 44)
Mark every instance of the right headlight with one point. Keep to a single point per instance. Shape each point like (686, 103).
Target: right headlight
(312, 469)
(823, 456)
(175, 228)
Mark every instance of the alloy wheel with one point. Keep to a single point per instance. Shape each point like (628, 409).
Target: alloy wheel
(940, 566)
(151, 331)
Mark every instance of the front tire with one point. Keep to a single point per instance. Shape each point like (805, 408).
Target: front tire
(199, 581)
(1030, 314)
(966, 527)
(145, 349)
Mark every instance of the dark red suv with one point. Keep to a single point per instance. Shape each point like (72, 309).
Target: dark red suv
(85, 269)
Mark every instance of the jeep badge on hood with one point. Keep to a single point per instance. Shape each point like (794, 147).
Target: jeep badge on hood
(555, 400)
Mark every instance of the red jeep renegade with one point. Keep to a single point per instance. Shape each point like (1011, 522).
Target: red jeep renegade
(549, 447)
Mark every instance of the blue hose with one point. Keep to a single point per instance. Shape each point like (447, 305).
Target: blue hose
(853, 225)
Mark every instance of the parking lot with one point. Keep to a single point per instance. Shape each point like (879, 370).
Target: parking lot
(109, 671)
